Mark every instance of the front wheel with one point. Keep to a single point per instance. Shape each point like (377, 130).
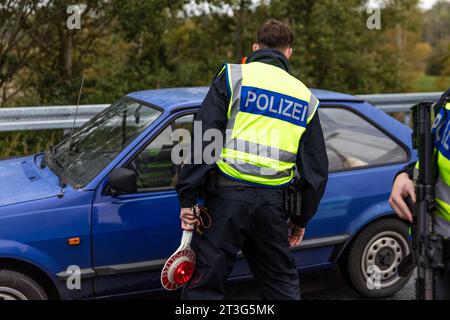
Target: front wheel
(370, 264)
(18, 286)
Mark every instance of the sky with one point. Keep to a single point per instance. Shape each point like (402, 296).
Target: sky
(424, 4)
(427, 4)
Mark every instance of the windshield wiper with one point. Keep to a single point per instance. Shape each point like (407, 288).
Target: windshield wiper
(56, 162)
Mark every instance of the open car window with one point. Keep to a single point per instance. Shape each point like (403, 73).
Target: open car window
(353, 142)
(154, 165)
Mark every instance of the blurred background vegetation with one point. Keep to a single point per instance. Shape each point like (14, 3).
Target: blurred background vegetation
(133, 45)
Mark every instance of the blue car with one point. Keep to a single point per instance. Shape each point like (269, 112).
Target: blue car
(72, 227)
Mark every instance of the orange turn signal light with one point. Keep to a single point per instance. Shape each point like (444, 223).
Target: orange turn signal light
(74, 241)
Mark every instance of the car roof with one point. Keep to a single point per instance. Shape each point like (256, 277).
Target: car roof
(178, 98)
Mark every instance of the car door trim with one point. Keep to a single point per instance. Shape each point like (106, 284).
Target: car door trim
(150, 265)
(154, 265)
(86, 273)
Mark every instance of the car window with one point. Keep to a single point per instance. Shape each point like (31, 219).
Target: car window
(353, 142)
(154, 165)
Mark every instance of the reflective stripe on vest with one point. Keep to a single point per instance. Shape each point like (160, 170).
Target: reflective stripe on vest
(267, 115)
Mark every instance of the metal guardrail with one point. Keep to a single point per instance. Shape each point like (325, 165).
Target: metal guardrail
(61, 117)
(399, 102)
(50, 117)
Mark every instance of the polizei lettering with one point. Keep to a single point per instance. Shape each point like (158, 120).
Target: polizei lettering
(274, 105)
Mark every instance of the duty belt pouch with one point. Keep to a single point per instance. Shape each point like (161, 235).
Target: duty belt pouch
(292, 201)
(298, 207)
(286, 199)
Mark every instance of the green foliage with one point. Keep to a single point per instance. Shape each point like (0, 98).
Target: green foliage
(429, 83)
(24, 143)
(439, 58)
(437, 33)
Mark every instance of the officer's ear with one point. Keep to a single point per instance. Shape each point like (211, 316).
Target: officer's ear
(287, 52)
(256, 47)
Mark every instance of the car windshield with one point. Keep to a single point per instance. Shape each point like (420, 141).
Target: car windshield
(95, 144)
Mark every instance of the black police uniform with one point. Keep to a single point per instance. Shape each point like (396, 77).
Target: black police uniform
(442, 277)
(247, 217)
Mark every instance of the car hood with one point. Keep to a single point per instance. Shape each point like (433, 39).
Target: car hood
(21, 180)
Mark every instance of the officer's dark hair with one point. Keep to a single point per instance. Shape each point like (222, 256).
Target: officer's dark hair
(275, 34)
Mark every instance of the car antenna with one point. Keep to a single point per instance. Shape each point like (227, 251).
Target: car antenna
(61, 192)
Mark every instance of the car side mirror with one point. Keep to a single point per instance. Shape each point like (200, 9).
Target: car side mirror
(122, 180)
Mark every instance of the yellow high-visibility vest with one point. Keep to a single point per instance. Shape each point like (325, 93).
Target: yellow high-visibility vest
(268, 113)
(442, 152)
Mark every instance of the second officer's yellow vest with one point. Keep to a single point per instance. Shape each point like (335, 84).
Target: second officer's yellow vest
(268, 113)
(442, 150)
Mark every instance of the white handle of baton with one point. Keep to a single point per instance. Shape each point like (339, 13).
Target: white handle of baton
(185, 240)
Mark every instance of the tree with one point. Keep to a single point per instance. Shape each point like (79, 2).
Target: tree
(17, 45)
(67, 53)
(144, 25)
(335, 50)
(437, 23)
(437, 33)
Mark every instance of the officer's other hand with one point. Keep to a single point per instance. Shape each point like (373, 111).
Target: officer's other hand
(188, 220)
(402, 188)
(295, 234)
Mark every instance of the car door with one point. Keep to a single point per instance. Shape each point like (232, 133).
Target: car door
(133, 234)
(363, 159)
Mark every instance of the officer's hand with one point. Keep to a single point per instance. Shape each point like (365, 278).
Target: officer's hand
(295, 234)
(188, 220)
(402, 188)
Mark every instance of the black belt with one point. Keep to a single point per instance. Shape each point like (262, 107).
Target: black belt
(222, 181)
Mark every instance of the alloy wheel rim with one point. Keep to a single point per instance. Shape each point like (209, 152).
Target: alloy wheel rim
(7, 293)
(384, 251)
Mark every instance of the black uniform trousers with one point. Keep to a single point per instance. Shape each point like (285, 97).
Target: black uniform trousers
(251, 219)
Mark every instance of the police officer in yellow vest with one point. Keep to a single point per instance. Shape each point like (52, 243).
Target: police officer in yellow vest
(271, 130)
(404, 187)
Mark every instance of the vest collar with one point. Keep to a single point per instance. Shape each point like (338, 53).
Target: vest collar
(270, 56)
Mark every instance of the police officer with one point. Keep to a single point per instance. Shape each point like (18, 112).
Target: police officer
(404, 187)
(271, 127)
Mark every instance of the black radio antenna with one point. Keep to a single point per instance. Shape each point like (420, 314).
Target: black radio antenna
(61, 193)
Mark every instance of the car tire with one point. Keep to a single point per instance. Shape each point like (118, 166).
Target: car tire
(18, 286)
(377, 249)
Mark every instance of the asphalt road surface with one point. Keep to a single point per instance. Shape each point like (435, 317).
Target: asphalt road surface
(323, 285)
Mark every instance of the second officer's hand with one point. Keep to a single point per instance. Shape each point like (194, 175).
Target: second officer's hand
(188, 220)
(403, 188)
(296, 234)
